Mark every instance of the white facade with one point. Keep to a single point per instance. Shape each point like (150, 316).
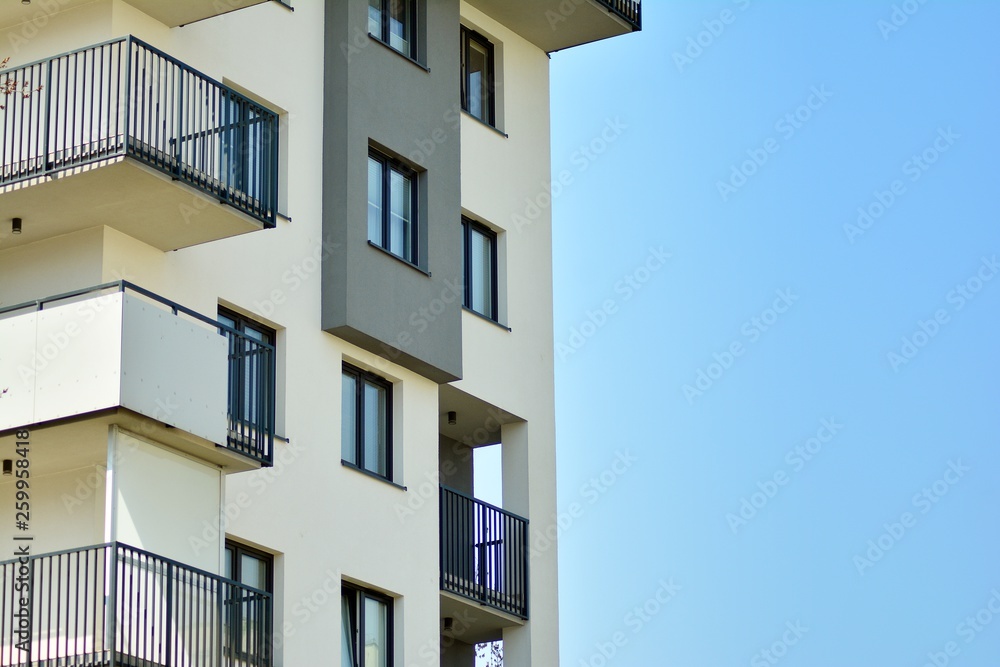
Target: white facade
(125, 401)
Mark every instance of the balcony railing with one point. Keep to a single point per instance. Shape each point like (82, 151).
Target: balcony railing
(250, 377)
(484, 553)
(116, 605)
(630, 10)
(126, 98)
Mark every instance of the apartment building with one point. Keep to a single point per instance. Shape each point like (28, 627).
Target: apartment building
(270, 271)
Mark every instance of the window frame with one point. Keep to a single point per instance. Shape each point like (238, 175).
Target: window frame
(384, 35)
(360, 377)
(238, 548)
(389, 165)
(233, 551)
(469, 35)
(468, 225)
(235, 404)
(358, 595)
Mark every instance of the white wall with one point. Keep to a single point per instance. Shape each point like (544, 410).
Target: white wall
(67, 509)
(514, 370)
(162, 501)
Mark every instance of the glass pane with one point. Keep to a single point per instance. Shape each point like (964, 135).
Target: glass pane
(347, 654)
(348, 420)
(253, 571)
(481, 266)
(477, 84)
(400, 217)
(376, 633)
(375, 199)
(375, 429)
(375, 18)
(227, 570)
(399, 25)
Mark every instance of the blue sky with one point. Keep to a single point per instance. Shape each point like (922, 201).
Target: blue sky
(824, 491)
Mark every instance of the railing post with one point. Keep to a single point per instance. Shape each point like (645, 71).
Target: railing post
(111, 554)
(221, 633)
(441, 537)
(169, 620)
(31, 603)
(48, 112)
(270, 388)
(127, 103)
(480, 533)
(273, 174)
(179, 121)
(525, 582)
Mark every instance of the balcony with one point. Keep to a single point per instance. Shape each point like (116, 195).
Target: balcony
(115, 605)
(484, 557)
(552, 25)
(629, 10)
(117, 348)
(121, 134)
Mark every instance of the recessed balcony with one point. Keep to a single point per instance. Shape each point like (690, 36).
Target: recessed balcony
(484, 565)
(112, 604)
(552, 25)
(123, 351)
(124, 135)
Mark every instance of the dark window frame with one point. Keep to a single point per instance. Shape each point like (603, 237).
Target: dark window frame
(238, 548)
(360, 377)
(385, 30)
(237, 377)
(389, 165)
(468, 225)
(470, 35)
(234, 550)
(357, 620)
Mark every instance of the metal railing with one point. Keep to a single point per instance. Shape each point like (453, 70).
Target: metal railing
(112, 604)
(484, 553)
(630, 10)
(251, 374)
(127, 98)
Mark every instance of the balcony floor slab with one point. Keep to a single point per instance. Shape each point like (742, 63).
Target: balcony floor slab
(122, 194)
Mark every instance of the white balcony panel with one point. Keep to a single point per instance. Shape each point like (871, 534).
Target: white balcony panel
(77, 358)
(114, 351)
(17, 354)
(174, 370)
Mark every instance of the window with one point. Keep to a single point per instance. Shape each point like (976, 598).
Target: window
(366, 628)
(246, 147)
(394, 22)
(392, 206)
(251, 379)
(366, 421)
(246, 618)
(478, 76)
(480, 262)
